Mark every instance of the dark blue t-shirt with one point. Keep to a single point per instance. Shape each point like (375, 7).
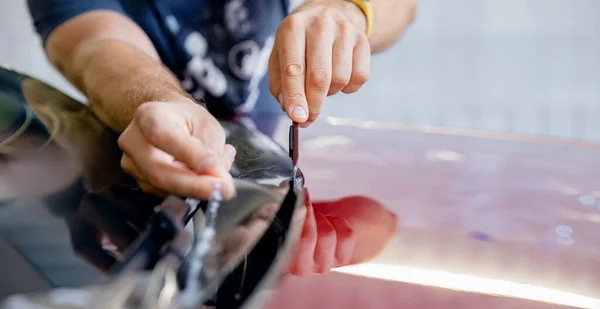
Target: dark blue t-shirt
(218, 49)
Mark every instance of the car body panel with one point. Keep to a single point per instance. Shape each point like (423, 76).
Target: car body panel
(480, 213)
(456, 218)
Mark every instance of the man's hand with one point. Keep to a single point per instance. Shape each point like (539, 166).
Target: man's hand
(179, 148)
(320, 49)
(351, 230)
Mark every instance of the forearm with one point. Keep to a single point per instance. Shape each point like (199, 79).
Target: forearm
(117, 77)
(112, 61)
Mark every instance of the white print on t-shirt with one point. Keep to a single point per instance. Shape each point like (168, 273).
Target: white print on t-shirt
(243, 59)
(237, 17)
(172, 24)
(202, 69)
(256, 65)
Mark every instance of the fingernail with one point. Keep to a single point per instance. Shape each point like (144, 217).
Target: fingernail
(280, 98)
(299, 112)
(301, 214)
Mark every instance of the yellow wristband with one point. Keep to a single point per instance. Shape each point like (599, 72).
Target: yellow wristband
(367, 9)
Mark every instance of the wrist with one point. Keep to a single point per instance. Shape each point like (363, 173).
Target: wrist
(367, 12)
(356, 15)
(175, 96)
(352, 11)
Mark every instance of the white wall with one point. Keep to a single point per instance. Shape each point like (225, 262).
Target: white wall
(21, 47)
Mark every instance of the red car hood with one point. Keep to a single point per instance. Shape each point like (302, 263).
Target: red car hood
(485, 220)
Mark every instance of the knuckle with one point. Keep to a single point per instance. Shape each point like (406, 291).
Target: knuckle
(148, 117)
(121, 141)
(339, 81)
(319, 78)
(125, 165)
(153, 130)
(360, 78)
(321, 22)
(342, 26)
(291, 22)
(293, 68)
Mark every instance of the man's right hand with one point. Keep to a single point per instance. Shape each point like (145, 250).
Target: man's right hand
(179, 148)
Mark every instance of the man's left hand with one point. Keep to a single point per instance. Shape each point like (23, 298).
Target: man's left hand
(320, 49)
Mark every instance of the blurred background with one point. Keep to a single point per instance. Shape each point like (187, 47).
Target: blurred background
(524, 66)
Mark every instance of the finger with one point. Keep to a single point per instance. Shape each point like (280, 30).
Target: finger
(345, 241)
(324, 256)
(166, 134)
(187, 183)
(163, 174)
(137, 150)
(361, 66)
(296, 228)
(319, 42)
(229, 153)
(343, 50)
(131, 168)
(275, 77)
(148, 188)
(292, 67)
(304, 259)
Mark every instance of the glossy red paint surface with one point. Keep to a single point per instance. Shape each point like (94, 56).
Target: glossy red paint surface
(523, 210)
